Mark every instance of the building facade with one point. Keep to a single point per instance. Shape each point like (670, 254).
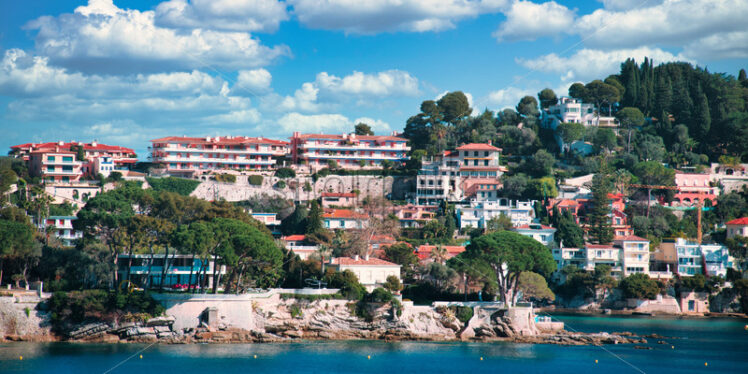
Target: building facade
(348, 151)
(55, 166)
(707, 259)
(344, 219)
(98, 159)
(572, 110)
(477, 213)
(542, 233)
(189, 156)
(146, 271)
(62, 227)
(371, 272)
(737, 227)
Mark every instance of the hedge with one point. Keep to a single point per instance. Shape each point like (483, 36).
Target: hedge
(284, 173)
(171, 184)
(255, 180)
(228, 178)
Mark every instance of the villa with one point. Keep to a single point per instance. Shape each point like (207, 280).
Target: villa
(371, 272)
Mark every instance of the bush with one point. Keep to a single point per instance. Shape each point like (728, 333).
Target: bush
(284, 173)
(181, 186)
(281, 184)
(296, 311)
(380, 295)
(255, 180)
(98, 305)
(348, 283)
(464, 313)
(393, 284)
(227, 178)
(639, 286)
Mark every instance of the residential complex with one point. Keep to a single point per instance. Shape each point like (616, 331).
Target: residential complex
(575, 111)
(189, 156)
(175, 270)
(708, 259)
(693, 188)
(348, 151)
(477, 213)
(626, 255)
(61, 162)
(470, 170)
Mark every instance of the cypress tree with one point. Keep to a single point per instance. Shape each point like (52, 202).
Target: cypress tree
(630, 75)
(703, 118)
(599, 218)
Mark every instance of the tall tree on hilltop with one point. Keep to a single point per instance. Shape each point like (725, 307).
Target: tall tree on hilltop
(630, 118)
(547, 98)
(363, 129)
(630, 80)
(454, 106)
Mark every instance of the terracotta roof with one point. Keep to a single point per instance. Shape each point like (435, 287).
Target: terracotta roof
(478, 147)
(338, 194)
(424, 251)
(52, 150)
(343, 214)
(294, 238)
(354, 138)
(630, 238)
(599, 246)
(86, 146)
(218, 140)
(567, 202)
(739, 221)
(361, 262)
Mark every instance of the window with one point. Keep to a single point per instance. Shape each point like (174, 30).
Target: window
(67, 158)
(51, 169)
(51, 158)
(485, 153)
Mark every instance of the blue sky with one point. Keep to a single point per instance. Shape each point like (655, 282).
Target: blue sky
(125, 72)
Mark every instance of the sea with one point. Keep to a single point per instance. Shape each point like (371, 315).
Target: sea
(715, 345)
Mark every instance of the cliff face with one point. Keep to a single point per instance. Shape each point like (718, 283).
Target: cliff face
(19, 319)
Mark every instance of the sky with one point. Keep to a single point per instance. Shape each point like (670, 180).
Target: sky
(124, 72)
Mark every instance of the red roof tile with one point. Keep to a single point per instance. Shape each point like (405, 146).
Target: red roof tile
(338, 194)
(343, 214)
(630, 238)
(478, 147)
(361, 262)
(739, 221)
(67, 145)
(294, 238)
(379, 138)
(218, 140)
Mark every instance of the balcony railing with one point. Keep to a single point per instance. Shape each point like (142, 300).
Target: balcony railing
(310, 145)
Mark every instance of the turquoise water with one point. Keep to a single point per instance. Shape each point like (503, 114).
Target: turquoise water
(722, 343)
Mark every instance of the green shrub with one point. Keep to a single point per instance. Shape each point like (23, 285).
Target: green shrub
(284, 173)
(227, 178)
(281, 184)
(100, 305)
(464, 313)
(255, 180)
(296, 311)
(177, 185)
(380, 295)
(348, 284)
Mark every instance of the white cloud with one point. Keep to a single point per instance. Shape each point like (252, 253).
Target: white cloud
(506, 97)
(101, 37)
(246, 117)
(526, 20)
(719, 46)
(588, 64)
(670, 22)
(374, 16)
(378, 126)
(385, 83)
(315, 123)
(233, 15)
(252, 82)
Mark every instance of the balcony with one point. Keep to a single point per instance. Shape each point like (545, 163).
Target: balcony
(310, 155)
(60, 172)
(261, 151)
(343, 147)
(202, 160)
(62, 163)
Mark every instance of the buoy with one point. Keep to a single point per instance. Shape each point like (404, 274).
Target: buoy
(255, 356)
(595, 361)
(20, 358)
(672, 347)
(481, 358)
(706, 364)
(141, 357)
(368, 357)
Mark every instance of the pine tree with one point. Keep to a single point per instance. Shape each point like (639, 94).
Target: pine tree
(703, 118)
(630, 77)
(314, 219)
(599, 218)
(663, 94)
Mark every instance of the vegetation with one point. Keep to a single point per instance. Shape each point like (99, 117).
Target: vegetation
(181, 186)
(226, 178)
(639, 286)
(98, 305)
(255, 180)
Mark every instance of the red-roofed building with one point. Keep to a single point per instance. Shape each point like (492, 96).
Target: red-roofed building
(51, 161)
(542, 233)
(344, 219)
(737, 227)
(338, 199)
(371, 272)
(188, 156)
(692, 188)
(299, 245)
(446, 177)
(349, 151)
(414, 216)
(424, 251)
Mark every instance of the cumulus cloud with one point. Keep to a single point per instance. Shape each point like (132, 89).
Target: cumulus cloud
(670, 22)
(374, 16)
(232, 15)
(719, 46)
(100, 37)
(588, 64)
(327, 123)
(252, 82)
(526, 20)
(506, 97)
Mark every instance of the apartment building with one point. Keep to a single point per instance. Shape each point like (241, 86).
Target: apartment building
(348, 151)
(55, 165)
(414, 216)
(692, 188)
(573, 110)
(62, 228)
(542, 233)
(626, 255)
(98, 159)
(189, 156)
(477, 213)
(150, 269)
(634, 254)
(470, 170)
(707, 259)
(270, 220)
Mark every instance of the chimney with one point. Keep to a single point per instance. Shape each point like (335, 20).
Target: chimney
(207, 139)
(60, 143)
(355, 257)
(489, 141)
(366, 257)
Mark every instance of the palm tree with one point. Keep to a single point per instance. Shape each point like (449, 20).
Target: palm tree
(439, 254)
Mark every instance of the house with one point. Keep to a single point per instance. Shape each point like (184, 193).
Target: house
(270, 220)
(663, 261)
(424, 251)
(565, 256)
(97, 159)
(707, 259)
(62, 227)
(55, 165)
(693, 188)
(477, 213)
(338, 199)
(348, 151)
(573, 110)
(602, 254)
(732, 177)
(344, 219)
(378, 243)
(737, 227)
(371, 272)
(448, 177)
(694, 302)
(634, 254)
(414, 216)
(542, 233)
(299, 245)
(146, 269)
(190, 156)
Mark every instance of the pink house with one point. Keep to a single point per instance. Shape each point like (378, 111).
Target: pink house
(693, 187)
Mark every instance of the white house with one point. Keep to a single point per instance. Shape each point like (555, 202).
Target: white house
(371, 272)
(298, 245)
(63, 228)
(634, 254)
(541, 233)
(477, 213)
(707, 259)
(344, 219)
(737, 227)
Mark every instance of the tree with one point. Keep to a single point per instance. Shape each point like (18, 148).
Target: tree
(540, 164)
(534, 286)
(577, 91)
(17, 243)
(547, 98)
(650, 147)
(599, 217)
(514, 186)
(639, 286)
(392, 284)
(738, 247)
(295, 223)
(314, 219)
(569, 233)
(498, 223)
(541, 189)
(402, 254)
(508, 254)
(653, 173)
(570, 131)
(605, 139)
(363, 129)
(454, 106)
(630, 117)
(600, 93)
(528, 109)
